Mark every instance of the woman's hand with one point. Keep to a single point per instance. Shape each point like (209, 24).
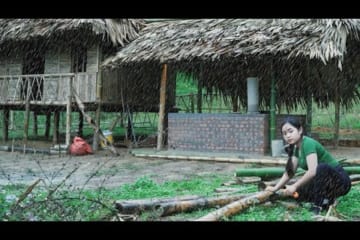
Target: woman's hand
(270, 189)
(290, 189)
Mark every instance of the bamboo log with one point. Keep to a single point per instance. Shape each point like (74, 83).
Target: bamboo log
(351, 161)
(355, 177)
(216, 159)
(236, 206)
(239, 205)
(278, 172)
(135, 206)
(174, 205)
(190, 205)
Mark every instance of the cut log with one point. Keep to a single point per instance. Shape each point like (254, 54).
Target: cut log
(355, 177)
(351, 161)
(138, 205)
(190, 205)
(247, 180)
(226, 189)
(174, 205)
(237, 206)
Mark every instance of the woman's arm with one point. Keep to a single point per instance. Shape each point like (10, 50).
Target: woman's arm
(285, 177)
(312, 163)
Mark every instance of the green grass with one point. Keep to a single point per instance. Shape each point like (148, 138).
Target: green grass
(97, 205)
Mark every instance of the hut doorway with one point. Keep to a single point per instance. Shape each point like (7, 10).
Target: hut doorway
(33, 86)
(78, 60)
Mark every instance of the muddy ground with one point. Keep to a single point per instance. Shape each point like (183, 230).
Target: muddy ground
(105, 170)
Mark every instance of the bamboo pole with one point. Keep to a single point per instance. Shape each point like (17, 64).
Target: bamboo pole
(272, 106)
(98, 98)
(6, 124)
(56, 126)
(47, 124)
(278, 172)
(68, 113)
(217, 159)
(337, 113)
(35, 129)
(236, 206)
(308, 103)
(92, 123)
(162, 107)
(241, 204)
(27, 112)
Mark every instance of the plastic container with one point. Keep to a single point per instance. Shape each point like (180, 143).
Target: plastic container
(108, 135)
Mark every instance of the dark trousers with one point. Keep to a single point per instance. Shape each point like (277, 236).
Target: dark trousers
(329, 183)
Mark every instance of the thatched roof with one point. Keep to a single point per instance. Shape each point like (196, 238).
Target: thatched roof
(307, 56)
(116, 31)
(324, 39)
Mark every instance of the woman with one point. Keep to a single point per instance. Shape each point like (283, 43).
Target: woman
(324, 179)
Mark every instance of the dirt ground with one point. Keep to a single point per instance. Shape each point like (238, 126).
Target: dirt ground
(105, 170)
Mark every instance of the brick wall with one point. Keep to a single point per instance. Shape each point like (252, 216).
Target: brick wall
(228, 132)
(222, 132)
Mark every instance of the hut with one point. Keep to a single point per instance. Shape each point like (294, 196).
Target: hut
(41, 60)
(298, 59)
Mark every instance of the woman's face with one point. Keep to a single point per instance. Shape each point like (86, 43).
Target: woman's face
(291, 134)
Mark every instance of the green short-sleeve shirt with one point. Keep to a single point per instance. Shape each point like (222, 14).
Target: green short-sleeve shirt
(310, 145)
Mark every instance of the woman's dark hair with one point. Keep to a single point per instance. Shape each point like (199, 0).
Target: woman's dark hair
(289, 149)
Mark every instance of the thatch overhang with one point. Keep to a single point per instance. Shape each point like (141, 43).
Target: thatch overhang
(307, 56)
(15, 33)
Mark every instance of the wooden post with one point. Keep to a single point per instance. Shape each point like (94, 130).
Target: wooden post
(272, 108)
(56, 126)
(199, 95)
(98, 98)
(6, 124)
(47, 125)
(162, 107)
(35, 130)
(192, 104)
(81, 124)
(27, 112)
(337, 113)
(68, 113)
(308, 104)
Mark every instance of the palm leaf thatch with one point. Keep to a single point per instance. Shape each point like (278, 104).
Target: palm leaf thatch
(115, 32)
(307, 56)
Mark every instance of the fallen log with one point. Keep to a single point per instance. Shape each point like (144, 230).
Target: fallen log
(138, 205)
(169, 206)
(237, 206)
(190, 205)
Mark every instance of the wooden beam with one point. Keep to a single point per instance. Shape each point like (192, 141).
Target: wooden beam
(68, 113)
(162, 107)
